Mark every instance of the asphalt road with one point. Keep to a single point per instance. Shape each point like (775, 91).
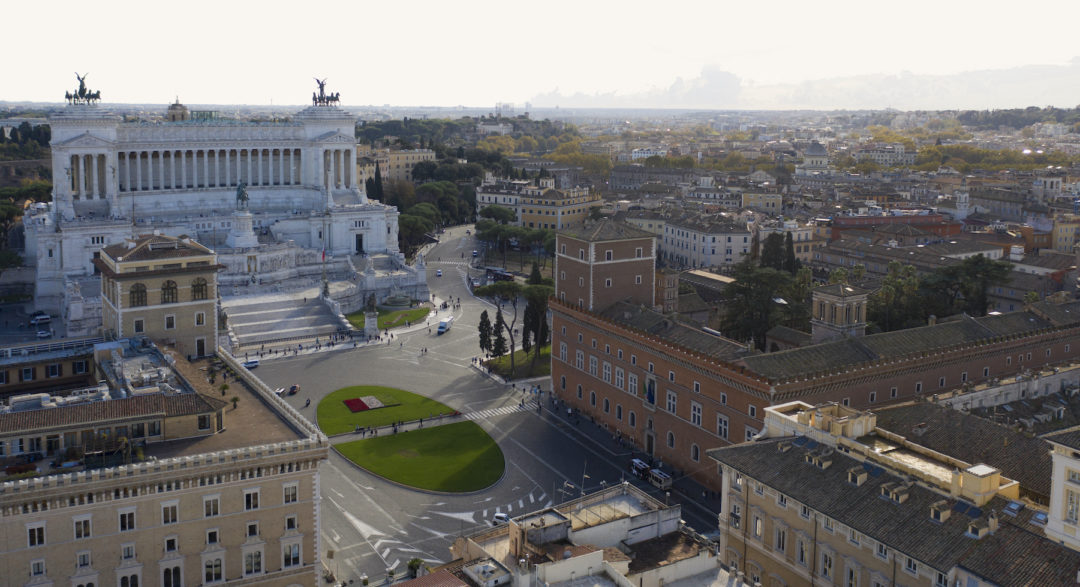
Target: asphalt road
(372, 524)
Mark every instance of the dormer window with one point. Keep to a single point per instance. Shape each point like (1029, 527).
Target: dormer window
(856, 476)
(940, 511)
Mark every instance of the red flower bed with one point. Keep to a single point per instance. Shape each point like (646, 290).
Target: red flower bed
(356, 405)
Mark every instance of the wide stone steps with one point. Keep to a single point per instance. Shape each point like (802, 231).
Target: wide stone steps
(258, 321)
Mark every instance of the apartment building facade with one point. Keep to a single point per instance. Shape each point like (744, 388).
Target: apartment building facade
(697, 242)
(162, 287)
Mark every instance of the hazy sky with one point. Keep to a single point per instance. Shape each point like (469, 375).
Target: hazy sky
(477, 53)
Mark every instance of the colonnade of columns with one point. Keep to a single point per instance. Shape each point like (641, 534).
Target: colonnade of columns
(87, 173)
(208, 168)
(341, 164)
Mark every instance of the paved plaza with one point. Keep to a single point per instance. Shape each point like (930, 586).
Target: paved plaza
(372, 524)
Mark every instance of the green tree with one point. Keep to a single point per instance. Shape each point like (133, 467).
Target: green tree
(378, 183)
(791, 262)
(503, 292)
(534, 276)
(535, 319)
(965, 284)
(896, 304)
(498, 345)
(752, 307)
(9, 259)
(500, 214)
(838, 275)
(772, 251)
(1031, 297)
(485, 332)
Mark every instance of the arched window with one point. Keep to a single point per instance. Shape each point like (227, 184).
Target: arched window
(169, 293)
(592, 398)
(671, 440)
(633, 420)
(695, 453)
(198, 289)
(138, 295)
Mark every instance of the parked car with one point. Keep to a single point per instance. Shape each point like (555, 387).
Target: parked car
(475, 253)
(476, 282)
(251, 364)
(500, 518)
(438, 273)
(44, 334)
(279, 391)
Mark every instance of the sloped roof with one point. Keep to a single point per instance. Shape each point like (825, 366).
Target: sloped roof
(607, 229)
(886, 345)
(906, 527)
(1016, 556)
(150, 247)
(87, 414)
(656, 324)
(974, 440)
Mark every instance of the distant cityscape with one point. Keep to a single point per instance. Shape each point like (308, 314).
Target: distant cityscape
(513, 345)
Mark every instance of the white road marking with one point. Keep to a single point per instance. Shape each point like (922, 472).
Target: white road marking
(463, 516)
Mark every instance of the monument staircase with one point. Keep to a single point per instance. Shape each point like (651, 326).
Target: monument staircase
(258, 320)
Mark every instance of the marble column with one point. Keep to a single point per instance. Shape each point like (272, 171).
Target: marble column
(95, 177)
(228, 175)
(183, 169)
(138, 171)
(259, 164)
(291, 163)
(270, 166)
(129, 172)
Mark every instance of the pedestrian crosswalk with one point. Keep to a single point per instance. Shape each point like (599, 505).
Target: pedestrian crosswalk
(484, 414)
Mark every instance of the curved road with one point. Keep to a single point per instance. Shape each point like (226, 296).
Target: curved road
(371, 524)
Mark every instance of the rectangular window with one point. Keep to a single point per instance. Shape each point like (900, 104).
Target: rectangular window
(27, 374)
(253, 562)
(139, 326)
(251, 499)
(291, 555)
(826, 565)
(882, 551)
(212, 536)
(170, 544)
(619, 378)
(607, 372)
(579, 360)
(127, 521)
(631, 384)
(204, 422)
(78, 367)
(170, 322)
(671, 401)
(290, 523)
(200, 318)
(82, 560)
(911, 566)
(593, 366)
(127, 551)
(36, 535)
(211, 506)
(752, 410)
(722, 426)
(37, 568)
(780, 543)
(82, 528)
(169, 514)
(695, 413)
(804, 512)
(252, 529)
(291, 493)
(53, 370)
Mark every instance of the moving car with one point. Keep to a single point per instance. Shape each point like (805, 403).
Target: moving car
(295, 387)
(445, 324)
(251, 364)
(475, 253)
(500, 518)
(438, 273)
(279, 391)
(44, 333)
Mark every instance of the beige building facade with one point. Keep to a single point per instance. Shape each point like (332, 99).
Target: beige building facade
(161, 287)
(216, 504)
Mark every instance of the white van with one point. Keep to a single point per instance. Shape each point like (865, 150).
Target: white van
(445, 323)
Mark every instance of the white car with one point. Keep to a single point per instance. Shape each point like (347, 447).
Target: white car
(44, 334)
(279, 391)
(500, 518)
